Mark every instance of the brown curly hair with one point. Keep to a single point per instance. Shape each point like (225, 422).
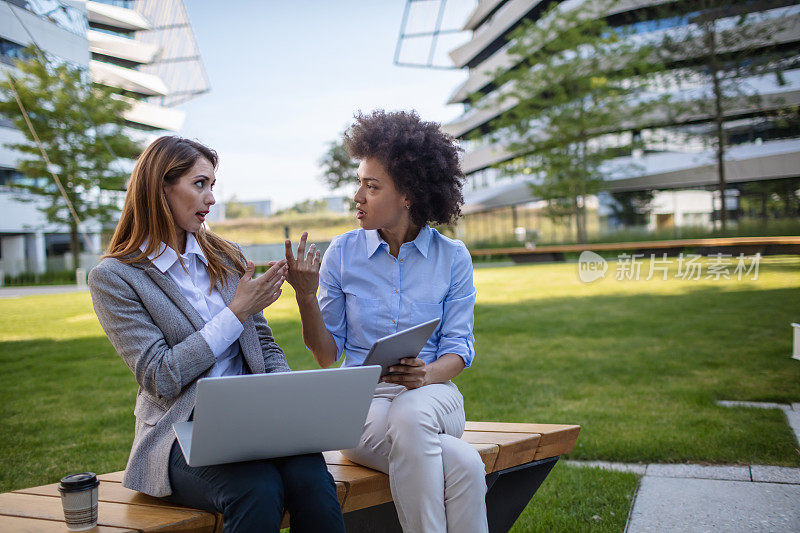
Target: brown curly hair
(421, 159)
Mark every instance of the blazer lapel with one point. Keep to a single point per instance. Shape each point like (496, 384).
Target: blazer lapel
(174, 293)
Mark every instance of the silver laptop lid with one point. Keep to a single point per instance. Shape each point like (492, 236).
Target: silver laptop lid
(259, 416)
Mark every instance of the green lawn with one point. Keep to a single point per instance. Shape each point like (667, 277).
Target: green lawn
(638, 364)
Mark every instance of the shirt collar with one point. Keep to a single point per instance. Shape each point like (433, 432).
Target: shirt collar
(374, 241)
(165, 257)
(193, 247)
(423, 240)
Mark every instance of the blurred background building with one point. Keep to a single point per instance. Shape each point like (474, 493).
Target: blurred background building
(682, 175)
(144, 49)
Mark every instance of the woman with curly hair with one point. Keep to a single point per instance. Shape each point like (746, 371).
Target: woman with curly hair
(393, 273)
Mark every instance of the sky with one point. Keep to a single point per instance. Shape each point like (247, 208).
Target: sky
(287, 77)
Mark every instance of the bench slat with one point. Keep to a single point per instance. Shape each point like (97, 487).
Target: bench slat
(514, 448)
(557, 439)
(109, 492)
(488, 453)
(116, 477)
(19, 524)
(110, 514)
(336, 458)
(365, 487)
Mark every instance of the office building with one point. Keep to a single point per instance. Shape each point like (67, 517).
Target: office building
(761, 147)
(144, 49)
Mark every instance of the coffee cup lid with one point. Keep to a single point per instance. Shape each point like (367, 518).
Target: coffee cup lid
(78, 482)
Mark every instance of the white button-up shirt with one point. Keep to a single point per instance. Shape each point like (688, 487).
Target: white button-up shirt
(222, 329)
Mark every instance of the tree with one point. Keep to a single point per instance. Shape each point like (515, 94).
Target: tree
(720, 48)
(571, 104)
(632, 208)
(337, 167)
(79, 126)
(236, 209)
(306, 206)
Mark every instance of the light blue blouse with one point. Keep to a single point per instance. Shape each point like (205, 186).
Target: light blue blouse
(365, 293)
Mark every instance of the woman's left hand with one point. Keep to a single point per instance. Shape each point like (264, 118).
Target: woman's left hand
(303, 273)
(412, 373)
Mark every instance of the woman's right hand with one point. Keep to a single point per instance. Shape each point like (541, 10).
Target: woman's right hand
(304, 270)
(254, 295)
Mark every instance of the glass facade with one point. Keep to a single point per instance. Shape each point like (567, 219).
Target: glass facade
(127, 4)
(9, 51)
(65, 16)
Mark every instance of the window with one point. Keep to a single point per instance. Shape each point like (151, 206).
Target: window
(9, 51)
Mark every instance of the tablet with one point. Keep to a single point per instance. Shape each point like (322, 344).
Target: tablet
(388, 351)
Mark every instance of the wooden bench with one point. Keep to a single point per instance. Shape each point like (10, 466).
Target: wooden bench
(518, 457)
(730, 245)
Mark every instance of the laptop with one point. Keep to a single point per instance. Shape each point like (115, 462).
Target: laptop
(260, 416)
(387, 351)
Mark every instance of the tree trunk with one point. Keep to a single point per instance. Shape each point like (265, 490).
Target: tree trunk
(718, 122)
(579, 195)
(580, 220)
(74, 246)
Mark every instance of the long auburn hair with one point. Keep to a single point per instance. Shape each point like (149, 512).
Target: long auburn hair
(146, 215)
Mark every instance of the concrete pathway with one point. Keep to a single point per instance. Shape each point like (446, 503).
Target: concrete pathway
(681, 504)
(709, 498)
(705, 498)
(17, 292)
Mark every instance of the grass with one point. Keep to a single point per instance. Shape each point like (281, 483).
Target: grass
(52, 277)
(639, 364)
(579, 499)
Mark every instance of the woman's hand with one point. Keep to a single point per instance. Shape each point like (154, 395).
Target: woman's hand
(304, 270)
(412, 373)
(254, 295)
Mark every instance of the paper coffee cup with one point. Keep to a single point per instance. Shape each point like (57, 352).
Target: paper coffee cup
(79, 499)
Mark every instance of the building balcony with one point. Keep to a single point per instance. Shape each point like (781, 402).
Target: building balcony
(483, 74)
(744, 163)
(773, 95)
(481, 12)
(127, 79)
(152, 115)
(120, 47)
(116, 17)
(502, 22)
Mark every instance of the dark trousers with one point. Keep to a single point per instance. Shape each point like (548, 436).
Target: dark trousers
(252, 495)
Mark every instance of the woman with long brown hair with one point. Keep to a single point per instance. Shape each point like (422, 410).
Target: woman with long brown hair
(179, 303)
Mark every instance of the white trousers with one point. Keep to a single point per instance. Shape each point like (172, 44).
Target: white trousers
(438, 481)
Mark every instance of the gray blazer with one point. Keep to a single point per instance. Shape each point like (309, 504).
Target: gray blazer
(156, 331)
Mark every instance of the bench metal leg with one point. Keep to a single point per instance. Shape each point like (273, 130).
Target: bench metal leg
(376, 519)
(509, 491)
